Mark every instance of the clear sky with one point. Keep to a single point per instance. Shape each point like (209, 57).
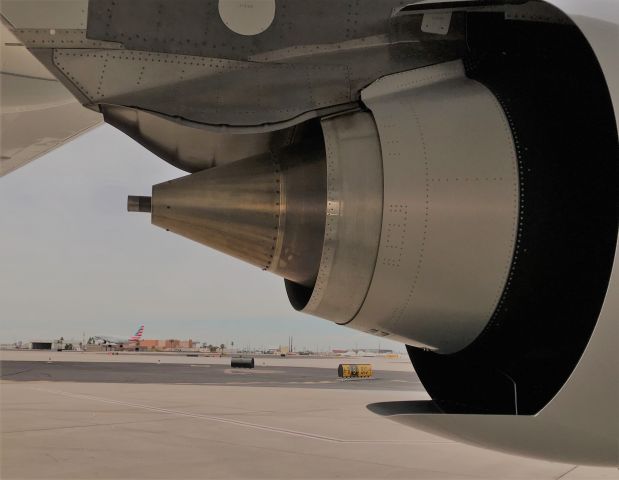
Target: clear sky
(73, 261)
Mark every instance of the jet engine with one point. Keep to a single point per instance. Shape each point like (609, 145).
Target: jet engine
(466, 208)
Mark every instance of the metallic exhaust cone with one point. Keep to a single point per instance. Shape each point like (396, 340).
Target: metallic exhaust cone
(267, 210)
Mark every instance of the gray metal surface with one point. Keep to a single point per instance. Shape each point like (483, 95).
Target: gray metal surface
(195, 27)
(353, 217)
(302, 69)
(203, 89)
(578, 426)
(303, 66)
(290, 72)
(377, 39)
(29, 131)
(267, 210)
(247, 17)
(233, 208)
(46, 14)
(139, 204)
(61, 38)
(37, 113)
(302, 220)
(450, 208)
(187, 147)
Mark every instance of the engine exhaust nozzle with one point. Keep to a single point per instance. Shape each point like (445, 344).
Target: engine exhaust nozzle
(268, 210)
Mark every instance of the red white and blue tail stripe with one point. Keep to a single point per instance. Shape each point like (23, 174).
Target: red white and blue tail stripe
(138, 334)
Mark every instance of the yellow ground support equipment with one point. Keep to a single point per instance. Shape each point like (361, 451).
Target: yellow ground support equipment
(354, 370)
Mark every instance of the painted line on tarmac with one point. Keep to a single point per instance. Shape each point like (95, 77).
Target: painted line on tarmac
(239, 423)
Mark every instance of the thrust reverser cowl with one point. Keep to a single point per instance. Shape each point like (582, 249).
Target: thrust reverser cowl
(266, 210)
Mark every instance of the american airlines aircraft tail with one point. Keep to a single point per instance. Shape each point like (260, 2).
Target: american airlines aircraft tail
(138, 334)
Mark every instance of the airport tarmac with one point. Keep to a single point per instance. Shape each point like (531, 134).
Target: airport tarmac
(125, 419)
(400, 364)
(196, 374)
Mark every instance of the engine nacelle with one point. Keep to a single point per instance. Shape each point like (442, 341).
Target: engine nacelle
(439, 230)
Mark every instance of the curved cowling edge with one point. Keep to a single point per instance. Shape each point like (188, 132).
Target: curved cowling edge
(578, 423)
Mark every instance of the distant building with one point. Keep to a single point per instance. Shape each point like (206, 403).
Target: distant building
(94, 347)
(149, 344)
(378, 351)
(167, 345)
(41, 345)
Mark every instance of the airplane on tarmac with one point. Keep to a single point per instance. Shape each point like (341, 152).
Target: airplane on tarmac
(440, 173)
(119, 341)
